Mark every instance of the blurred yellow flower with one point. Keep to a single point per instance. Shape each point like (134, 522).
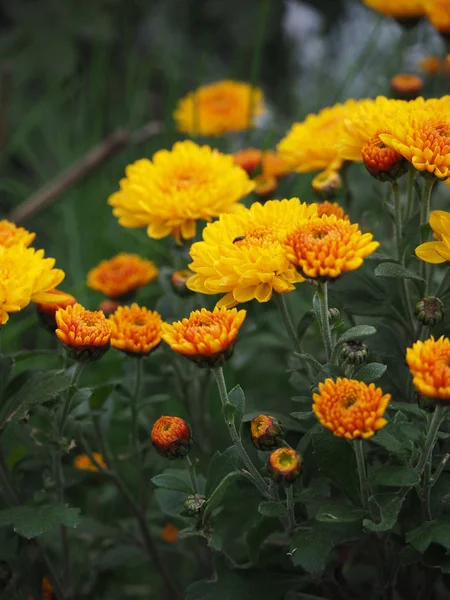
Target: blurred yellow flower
(243, 255)
(399, 9)
(83, 462)
(437, 252)
(438, 13)
(429, 363)
(121, 274)
(10, 234)
(218, 108)
(177, 188)
(26, 276)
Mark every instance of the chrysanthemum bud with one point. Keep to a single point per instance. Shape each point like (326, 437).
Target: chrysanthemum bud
(383, 163)
(354, 352)
(194, 505)
(334, 315)
(327, 184)
(171, 437)
(406, 86)
(108, 307)
(266, 432)
(430, 311)
(179, 281)
(46, 310)
(284, 465)
(248, 159)
(265, 185)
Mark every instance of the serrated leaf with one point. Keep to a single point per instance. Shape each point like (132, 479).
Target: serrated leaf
(370, 372)
(171, 482)
(237, 398)
(392, 476)
(32, 521)
(272, 509)
(217, 495)
(339, 513)
(359, 332)
(390, 506)
(430, 532)
(389, 269)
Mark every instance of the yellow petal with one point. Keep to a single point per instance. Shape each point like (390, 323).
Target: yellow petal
(428, 252)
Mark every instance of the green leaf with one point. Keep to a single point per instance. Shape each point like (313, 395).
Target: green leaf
(302, 416)
(317, 488)
(217, 495)
(220, 465)
(390, 443)
(395, 477)
(272, 509)
(100, 395)
(430, 532)
(389, 505)
(171, 502)
(6, 367)
(336, 460)
(359, 332)
(229, 412)
(389, 269)
(39, 388)
(379, 256)
(370, 372)
(310, 359)
(171, 482)
(237, 398)
(304, 323)
(339, 513)
(31, 521)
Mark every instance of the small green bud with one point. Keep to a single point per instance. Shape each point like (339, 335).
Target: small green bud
(266, 432)
(354, 352)
(430, 311)
(194, 505)
(334, 315)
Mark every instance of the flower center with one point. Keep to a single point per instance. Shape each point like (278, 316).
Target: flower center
(139, 322)
(261, 236)
(285, 459)
(348, 401)
(89, 321)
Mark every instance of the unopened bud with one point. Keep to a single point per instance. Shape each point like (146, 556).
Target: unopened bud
(266, 432)
(327, 184)
(284, 465)
(171, 437)
(248, 159)
(265, 185)
(194, 505)
(354, 352)
(430, 311)
(406, 86)
(334, 316)
(179, 281)
(108, 307)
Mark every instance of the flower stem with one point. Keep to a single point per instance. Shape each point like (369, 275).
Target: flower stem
(430, 440)
(322, 294)
(397, 218)
(256, 476)
(359, 452)
(424, 218)
(134, 404)
(68, 399)
(289, 325)
(192, 475)
(290, 507)
(410, 191)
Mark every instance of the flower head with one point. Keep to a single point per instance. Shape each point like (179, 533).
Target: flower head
(437, 252)
(313, 144)
(327, 183)
(429, 311)
(169, 533)
(177, 188)
(284, 465)
(248, 159)
(399, 9)
(171, 437)
(266, 432)
(85, 333)
(350, 408)
(205, 337)
(438, 13)
(219, 108)
(135, 330)
(83, 462)
(331, 208)
(25, 276)
(121, 274)
(406, 85)
(243, 255)
(10, 234)
(46, 310)
(326, 247)
(429, 363)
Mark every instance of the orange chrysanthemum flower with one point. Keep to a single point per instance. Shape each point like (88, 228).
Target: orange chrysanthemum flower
(169, 533)
(266, 432)
(135, 330)
(10, 234)
(406, 86)
(121, 274)
(331, 208)
(326, 247)
(171, 437)
(273, 165)
(46, 310)
(83, 462)
(218, 108)
(399, 9)
(349, 408)
(85, 333)
(248, 159)
(205, 337)
(438, 13)
(429, 363)
(284, 465)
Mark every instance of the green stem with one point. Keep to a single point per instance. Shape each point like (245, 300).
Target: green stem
(430, 440)
(290, 507)
(256, 61)
(397, 219)
(134, 404)
(192, 475)
(359, 452)
(289, 325)
(68, 399)
(256, 476)
(424, 218)
(322, 294)
(410, 191)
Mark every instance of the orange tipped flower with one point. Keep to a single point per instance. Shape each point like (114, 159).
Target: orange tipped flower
(406, 85)
(121, 275)
(10, 234)
(349, 408)
(429, 363)
(326, 247)
(219, 108)
(248, 159)
(327, 183)
(169, 533)
(284, 465)
(85, 333)
(382, 163)
(266, 432)
(171, 437)
(83, 462)
(331, 208)
(205, 337)
(46, 310)
(135, 330)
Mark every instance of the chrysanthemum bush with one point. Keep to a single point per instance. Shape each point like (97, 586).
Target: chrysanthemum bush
(262, 407)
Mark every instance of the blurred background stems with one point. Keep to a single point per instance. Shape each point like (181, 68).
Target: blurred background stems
(325, 329)
(192, 474)
(362, 475)
(395, 189)
(427, 189)
(409, 208)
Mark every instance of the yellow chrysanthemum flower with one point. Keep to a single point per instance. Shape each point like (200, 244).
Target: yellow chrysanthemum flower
(422, 135)
(325, 247)
(349, 408)
(399, 9)
(10, 234)
(437, 252)
(313, 144)
(26, 276)
(177, 188)
(438, 13)
(429, 363)
(135, 329)
(121, 274)
(218, 108)
(243, 255)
